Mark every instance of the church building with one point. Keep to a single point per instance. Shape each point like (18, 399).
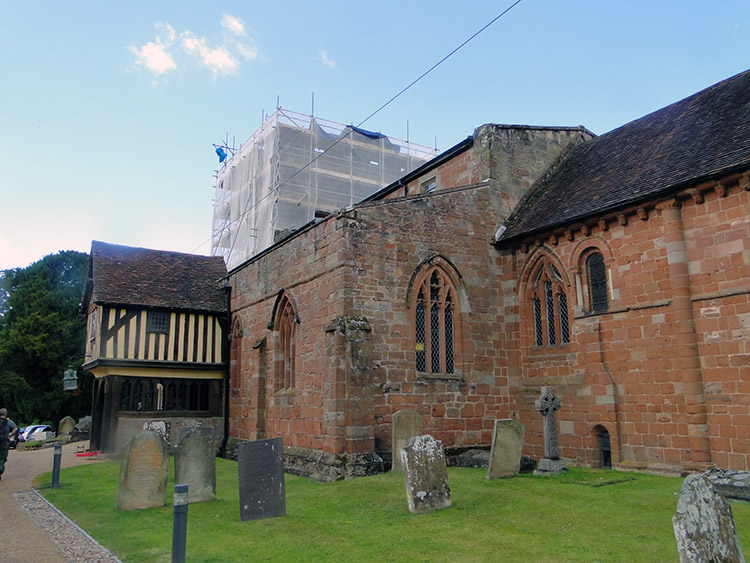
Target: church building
(613, 268)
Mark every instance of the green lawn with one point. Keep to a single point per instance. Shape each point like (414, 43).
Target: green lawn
(581, 515)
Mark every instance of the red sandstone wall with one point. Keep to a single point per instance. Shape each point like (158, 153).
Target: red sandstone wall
(718, 234)
(646, 343)
(390, 242)
(311, 269)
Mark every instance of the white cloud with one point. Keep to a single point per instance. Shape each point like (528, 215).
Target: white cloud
(162, 55)
(323, 58)
(218, 59)
(233, 24)
(154, 55)
(248, 52)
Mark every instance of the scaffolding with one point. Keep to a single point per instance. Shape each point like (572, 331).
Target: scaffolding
(296, 168)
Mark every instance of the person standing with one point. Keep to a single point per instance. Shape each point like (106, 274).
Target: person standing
(8, 429)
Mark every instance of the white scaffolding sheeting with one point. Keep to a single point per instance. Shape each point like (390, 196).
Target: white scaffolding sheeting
(295, 168)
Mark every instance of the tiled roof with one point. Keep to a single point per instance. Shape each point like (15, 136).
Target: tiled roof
(124, 275)
(700, 137)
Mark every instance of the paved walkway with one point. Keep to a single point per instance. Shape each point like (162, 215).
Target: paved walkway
(22, 539)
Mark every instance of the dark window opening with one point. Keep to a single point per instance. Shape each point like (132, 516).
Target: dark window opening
(597, 278)
(605, 448)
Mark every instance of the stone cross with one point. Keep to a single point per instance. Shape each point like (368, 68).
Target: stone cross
(548, 405)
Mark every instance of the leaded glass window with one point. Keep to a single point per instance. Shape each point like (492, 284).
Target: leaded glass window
(549, 307)
(539, 335)
(434, 323)
(157, 321)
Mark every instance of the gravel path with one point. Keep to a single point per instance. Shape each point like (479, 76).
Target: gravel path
(33, 530)
(72, 541)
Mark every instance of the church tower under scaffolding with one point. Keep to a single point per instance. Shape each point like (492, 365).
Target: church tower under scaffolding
(296, 168)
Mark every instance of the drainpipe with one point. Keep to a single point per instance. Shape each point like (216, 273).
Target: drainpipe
(225, 349)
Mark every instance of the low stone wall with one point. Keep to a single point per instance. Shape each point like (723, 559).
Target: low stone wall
(325, 467)
(321, 466)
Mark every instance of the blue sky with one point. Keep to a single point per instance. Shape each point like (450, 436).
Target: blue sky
(108, 111)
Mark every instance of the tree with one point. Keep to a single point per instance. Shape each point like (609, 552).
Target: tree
(41, 332)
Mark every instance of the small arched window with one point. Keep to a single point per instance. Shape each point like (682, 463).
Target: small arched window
(435, 315)
(286, 328)
(549, 307)
(596, 276)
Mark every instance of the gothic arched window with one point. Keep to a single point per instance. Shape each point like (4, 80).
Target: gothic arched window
(286, 329)
(549, 304)
(435, 317)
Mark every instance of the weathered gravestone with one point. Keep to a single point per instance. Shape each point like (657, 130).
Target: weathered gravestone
(84, 425)
(66, 426)
(210, 431)
(143, 472)
(261, 479)
(407, 423)
(195, 464)
(730, 483)
(425, 475)
(547, 404)
(162, 427)
(703, 526)
(507, 443)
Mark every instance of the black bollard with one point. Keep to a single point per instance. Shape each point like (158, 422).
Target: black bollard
(56, 466)
(179, 523)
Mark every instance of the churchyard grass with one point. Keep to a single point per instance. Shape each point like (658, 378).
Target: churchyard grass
(580, 515)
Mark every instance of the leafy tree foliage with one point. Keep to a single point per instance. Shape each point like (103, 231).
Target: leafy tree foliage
(41, 333)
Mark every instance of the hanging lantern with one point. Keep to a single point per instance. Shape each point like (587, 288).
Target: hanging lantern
(70, 379)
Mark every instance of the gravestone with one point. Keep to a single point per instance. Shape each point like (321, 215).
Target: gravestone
(547, 404)
(159, 426)
(730, 483)
(66, 426)
(507, 443)
(143, 472)
(210, 431)
(195, 464)
(84, 424)
(406, 424)
(261, 479)
(703, 525)
(425, 475)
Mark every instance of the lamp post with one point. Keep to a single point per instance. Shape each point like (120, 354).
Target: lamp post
(70, 379)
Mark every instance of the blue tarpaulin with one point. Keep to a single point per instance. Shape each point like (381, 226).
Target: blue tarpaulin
(366, 133)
